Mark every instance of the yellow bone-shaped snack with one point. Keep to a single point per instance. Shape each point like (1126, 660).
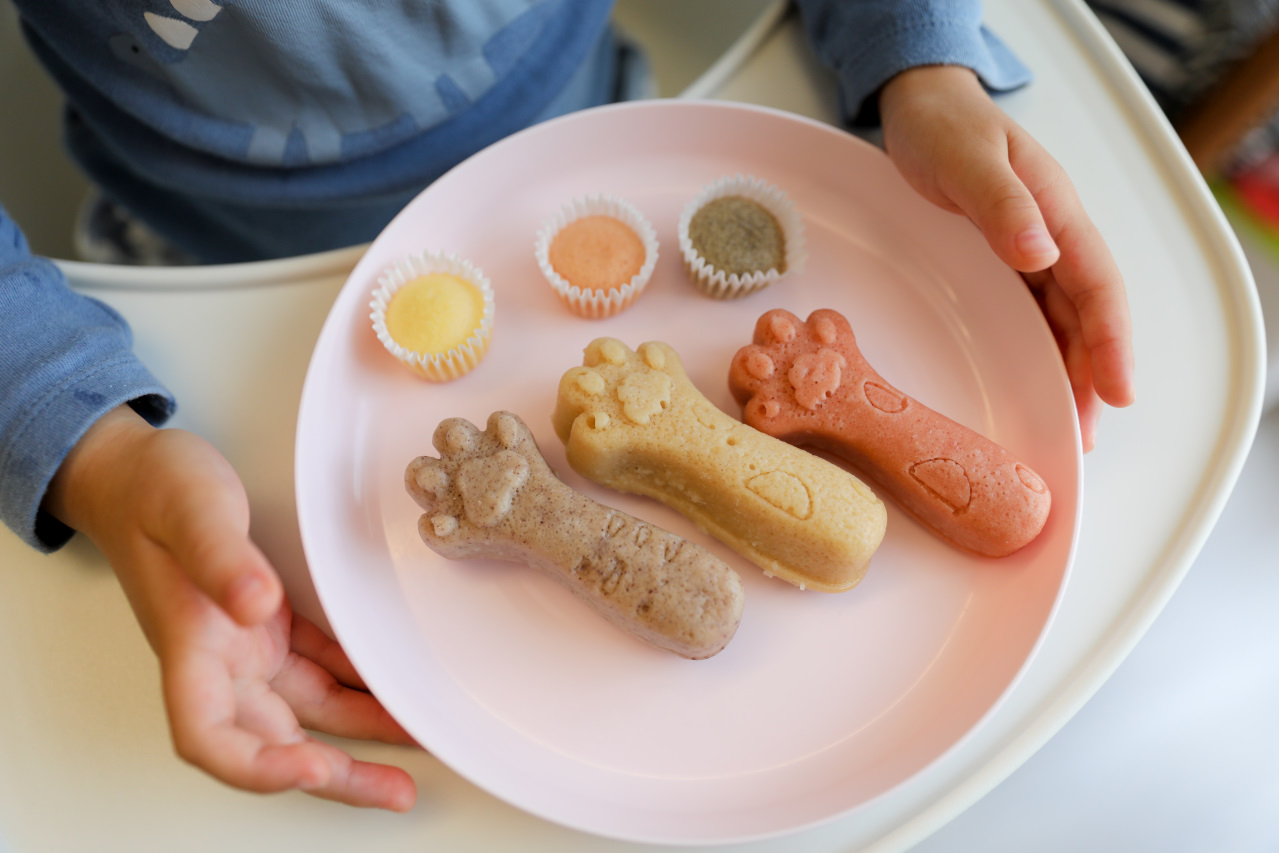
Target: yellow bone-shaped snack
(633, 421)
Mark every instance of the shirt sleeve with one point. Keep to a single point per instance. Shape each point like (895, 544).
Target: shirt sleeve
(867, 42)
(65, 361)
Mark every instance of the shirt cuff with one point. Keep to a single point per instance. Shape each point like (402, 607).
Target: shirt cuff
(873, 60)
(65, 361)
(54, 426)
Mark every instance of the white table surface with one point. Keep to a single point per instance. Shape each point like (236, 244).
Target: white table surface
(1165, 757)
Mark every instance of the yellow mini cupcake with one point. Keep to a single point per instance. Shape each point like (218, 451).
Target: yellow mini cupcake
(434, 312)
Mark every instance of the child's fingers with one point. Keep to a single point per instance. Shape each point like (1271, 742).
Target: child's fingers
(204, 719)
(364, 784)
(993, 196)
(1063, 319)
(258, 745)
(1089, 277)
(310, 642)
(324, 705)
(206, 529)
(244, 760)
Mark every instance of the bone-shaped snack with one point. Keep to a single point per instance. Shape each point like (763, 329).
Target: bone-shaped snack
(491, 494)
(634, 421)
(808, 383)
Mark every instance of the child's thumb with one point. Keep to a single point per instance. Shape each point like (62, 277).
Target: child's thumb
(206, 531)
(998, 202)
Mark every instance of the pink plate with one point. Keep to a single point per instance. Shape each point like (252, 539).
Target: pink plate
(821, 702)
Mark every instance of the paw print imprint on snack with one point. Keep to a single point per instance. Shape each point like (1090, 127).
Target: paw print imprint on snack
(491, 494)
(641, 393)
(813, 376)
(946, 480)
(784, 491)
(807, 382)
(634, 421)
(1031, 480)
(479, 489)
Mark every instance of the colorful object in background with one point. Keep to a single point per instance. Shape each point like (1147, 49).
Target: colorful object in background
(1249, 196)
(1256, 189)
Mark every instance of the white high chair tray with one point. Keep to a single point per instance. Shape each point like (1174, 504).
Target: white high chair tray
(85, 761)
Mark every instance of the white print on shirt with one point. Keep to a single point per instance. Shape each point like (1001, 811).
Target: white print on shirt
(316, 81)
(178, 33)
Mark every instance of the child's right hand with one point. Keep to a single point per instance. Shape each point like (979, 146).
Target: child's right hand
(959, 150)
(242, 675)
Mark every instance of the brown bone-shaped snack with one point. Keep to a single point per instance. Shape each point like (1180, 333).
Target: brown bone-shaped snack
(491, 494)
(807, 383)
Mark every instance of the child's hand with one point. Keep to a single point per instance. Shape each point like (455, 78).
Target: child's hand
(964, 154)
(241, 674)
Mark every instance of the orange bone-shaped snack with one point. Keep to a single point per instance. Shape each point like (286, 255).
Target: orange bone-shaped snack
(807, 383)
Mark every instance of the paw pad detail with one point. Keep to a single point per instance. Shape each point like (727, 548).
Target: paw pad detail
(643, 395)
(815, 376)
(653, 356)
(488, 486)
(782, 328)
(1031, 480)
(759, 365)
(590, 383)
(884, 398)
(612, 352)
(434, 481)
(947, 481)
(784, 491)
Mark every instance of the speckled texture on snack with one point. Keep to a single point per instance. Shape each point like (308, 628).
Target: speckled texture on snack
(491, 494)
(738, 236)
(808, 383)
(634, 421)
(597, 253)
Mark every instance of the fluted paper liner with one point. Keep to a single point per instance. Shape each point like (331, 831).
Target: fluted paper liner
(441, 366)
(718, 284)
(597, 304)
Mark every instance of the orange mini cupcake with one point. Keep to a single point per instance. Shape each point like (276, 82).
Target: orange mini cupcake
(598, 253)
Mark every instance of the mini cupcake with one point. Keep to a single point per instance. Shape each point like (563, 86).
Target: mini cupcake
(598, 253)
(434, 312)
(739, 235)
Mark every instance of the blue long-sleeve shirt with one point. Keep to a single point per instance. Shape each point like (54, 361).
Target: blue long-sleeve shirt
(246, 129)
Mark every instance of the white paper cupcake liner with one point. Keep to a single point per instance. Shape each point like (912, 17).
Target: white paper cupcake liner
(719, 284)
(597, 304)
(443, 366)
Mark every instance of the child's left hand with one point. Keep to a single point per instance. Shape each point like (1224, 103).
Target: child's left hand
(963, 153)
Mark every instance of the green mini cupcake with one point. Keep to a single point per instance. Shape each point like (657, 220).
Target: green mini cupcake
(740, 235)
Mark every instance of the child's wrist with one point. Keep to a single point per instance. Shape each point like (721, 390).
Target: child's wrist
(925, 80)
(78, 492)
